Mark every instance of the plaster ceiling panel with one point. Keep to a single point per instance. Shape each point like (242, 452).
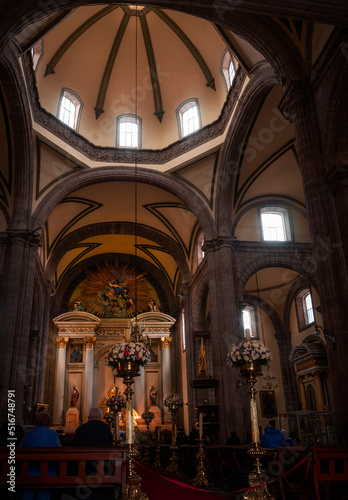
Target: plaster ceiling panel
(112, 202)
(246, 53)
(175, 39)
(269, 132)
(104, 244)
(201, 175)
(272, 285)
(282, 178)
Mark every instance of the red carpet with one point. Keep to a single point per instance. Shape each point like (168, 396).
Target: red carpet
(158, 487)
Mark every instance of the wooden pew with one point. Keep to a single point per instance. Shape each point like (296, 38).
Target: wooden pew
(72, 467)
(330, 467)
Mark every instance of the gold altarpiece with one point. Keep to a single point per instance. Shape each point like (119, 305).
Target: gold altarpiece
(83, 341)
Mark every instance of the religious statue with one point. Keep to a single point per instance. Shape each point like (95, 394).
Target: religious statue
(202, 361)
(152, 305)
(74, 396)
(78, 305)
(153, 395)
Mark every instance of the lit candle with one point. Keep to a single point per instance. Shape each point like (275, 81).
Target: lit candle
(127, 335)
(201, 426)
(247, 334)
(117, 427)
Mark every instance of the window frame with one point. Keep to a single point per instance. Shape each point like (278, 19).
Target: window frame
(254, 330)
(183, 108)
(301, 308)
(76, 101)
(287, 227)
(226, 60)
(132, 119)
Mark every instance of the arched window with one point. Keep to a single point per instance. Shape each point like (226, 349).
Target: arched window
(200, 251)
(304, 308)
(228, 69)
(189, 118)
(128, 131)
(69, 108)
(275, 224)
(249, 321)
(36, 53)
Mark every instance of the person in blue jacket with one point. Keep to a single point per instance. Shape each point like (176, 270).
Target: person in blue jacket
(41, 435)
(272, 437)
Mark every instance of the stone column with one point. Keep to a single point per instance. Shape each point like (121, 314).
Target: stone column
(166, 366)
(224, 332)
(329, 261)
(319, 393)
(140, 403)
(31, 377)
(302, 393)
(89, 377)
(57, 417)
(16, 297)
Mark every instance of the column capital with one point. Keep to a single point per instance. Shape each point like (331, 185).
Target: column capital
(89, 342)
(28, 236)
(296, 91)
(218, 243)
(165, 342)
(62, 342)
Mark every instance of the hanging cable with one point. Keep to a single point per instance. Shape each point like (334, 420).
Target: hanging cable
(136, 169)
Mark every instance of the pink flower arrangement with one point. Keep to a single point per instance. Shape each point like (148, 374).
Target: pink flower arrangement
(128, 351)
(116, 402)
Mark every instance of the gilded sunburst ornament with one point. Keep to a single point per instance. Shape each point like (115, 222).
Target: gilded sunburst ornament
(114, 291)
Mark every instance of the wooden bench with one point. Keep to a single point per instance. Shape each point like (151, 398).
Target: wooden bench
(330, 466)
(73, 467)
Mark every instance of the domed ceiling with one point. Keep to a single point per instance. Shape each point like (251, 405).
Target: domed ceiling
(121, 59)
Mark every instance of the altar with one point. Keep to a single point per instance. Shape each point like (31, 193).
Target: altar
(83, 342)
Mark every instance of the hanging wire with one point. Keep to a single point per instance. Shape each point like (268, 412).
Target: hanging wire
(258, 298)
(136, 169)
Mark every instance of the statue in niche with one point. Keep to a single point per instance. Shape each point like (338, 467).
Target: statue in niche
(153, 395)
(202, 361)
(78, 305)
(74, 396)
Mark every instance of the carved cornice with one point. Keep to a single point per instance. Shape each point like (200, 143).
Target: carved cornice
(218, 243)
(114, 155)
(80, 330)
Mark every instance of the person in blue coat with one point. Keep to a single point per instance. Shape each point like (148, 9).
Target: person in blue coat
(272, 437)
(41, 435)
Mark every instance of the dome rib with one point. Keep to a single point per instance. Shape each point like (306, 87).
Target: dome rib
(187, 42)
(153, 69)
(109, 65)
(74, 36)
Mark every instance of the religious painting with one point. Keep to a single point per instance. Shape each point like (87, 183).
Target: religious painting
(268, 404)
(76, 353)
(115, 291)
(154, 353)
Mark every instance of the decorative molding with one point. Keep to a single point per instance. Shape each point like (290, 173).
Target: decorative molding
(62, 342)
(165, 343)
(122, 155)
(89, 342)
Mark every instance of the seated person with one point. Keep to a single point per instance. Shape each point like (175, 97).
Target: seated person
(41, 435)
(272, 437)
(94, 432)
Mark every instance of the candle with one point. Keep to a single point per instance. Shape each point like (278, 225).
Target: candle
(117, 427)
(201, 426)
(247, 334)
(129, 428)
(127, 335)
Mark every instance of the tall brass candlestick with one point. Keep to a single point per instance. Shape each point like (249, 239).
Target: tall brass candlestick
(173, 461)
(250, 371)
(128, 370)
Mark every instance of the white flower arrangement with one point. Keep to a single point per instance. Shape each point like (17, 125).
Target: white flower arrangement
(247, 352)
(128, 351)
(173, 401)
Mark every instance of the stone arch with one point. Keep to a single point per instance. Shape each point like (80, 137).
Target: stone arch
(294, 290)
(235, 141)
(287, 261)
(176, 187)
(116, 228)
(16, 97)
